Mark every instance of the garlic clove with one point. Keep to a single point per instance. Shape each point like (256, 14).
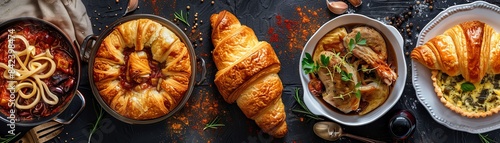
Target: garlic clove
(355, 3)
(337, 7)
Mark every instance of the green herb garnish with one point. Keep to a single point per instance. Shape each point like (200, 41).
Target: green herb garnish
(309, 65)
(467, 86)
(96, 126)
(8, 138)
(356, 41)
(486, 139)
(182, 17)
(304, 109)
(358, 92)
(214, 124)
(345, 76)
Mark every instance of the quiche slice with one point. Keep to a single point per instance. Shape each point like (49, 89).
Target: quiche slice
(481, 102)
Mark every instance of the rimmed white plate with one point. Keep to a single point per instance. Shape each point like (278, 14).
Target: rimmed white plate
(421, 76)
(394, 39)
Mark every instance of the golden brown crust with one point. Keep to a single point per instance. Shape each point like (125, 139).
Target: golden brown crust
(455, 108)
(495, 54)
(247, 73)
(151, 97)
(463, 50)
(231, 78)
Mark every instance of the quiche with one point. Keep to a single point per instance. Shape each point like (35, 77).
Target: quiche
(481, 102)
(467, 52)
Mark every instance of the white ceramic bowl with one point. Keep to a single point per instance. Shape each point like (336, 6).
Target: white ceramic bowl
(395, 40)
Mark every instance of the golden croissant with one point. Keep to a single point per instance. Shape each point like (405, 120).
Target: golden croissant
(470, 49)
(247, 73)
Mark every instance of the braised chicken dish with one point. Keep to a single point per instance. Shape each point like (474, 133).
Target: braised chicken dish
(351, 69)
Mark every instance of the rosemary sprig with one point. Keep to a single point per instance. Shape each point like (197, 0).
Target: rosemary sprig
(8, 138)
(304, 109)
(182, 17)
(486, 139)
(214, 124)
(96, 126)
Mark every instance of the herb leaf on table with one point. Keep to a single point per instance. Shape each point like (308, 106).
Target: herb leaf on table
(96, 126)
(8, 138)
(304, 110)
(180, 16)
(486, 139)
(214, 124)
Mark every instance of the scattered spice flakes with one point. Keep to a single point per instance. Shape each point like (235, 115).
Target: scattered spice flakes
(298, 29)
(197, 112)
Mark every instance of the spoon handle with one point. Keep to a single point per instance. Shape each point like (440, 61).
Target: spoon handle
(367, 140)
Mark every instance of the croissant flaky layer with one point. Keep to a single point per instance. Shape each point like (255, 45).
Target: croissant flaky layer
(127, 69)
(470, 49)
(247, 73)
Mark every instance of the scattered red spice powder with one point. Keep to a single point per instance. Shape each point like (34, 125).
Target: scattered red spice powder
(198, 111)
(274, 36)
(297, 29)
(156, 9)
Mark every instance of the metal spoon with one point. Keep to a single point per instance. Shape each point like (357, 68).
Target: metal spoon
(332, 131)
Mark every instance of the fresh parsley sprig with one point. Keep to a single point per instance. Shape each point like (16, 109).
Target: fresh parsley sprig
(8, 138)
(310, 66)
(304, 109)
(486, 139)
(213, 124)
(356, 41)
(180, 16)
(345, 76)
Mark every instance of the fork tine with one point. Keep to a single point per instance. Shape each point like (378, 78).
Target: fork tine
(45, 126)
(48, 130)
(50, 135)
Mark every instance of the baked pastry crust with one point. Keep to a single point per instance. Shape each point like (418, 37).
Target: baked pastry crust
(469, 49)
(247, 73)
(142, 69)
(481, 102)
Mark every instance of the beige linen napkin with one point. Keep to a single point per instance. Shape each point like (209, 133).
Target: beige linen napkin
(69, 15)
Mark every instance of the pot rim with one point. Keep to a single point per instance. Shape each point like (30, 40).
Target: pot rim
(75, 56)
(164, 22)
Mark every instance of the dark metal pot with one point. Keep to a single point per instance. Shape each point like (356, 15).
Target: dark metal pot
(91, 45)
(73, 52)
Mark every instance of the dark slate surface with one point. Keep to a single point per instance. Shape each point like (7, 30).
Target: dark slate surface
(261, 15)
